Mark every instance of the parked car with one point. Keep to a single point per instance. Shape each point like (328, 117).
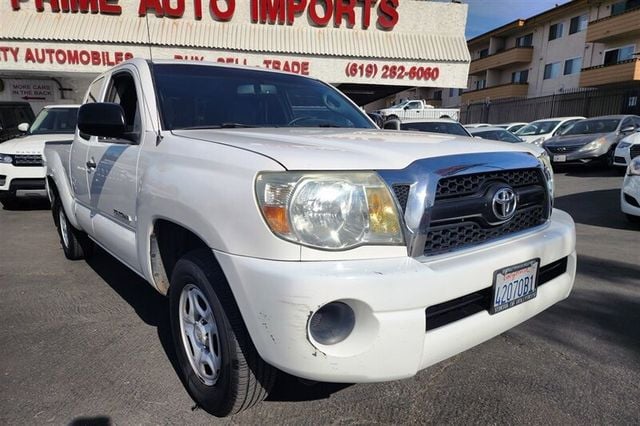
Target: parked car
(476, 125)
(537, 132)
(21, 169)
(630, 193)
(303, 240)
(12, 114)
(627, 149)
(512, 127)
(443, 125)
(503, 135)
(417, 109)
(591, 140)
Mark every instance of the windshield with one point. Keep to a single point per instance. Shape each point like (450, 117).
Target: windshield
(196, 96)
(55, 120)
(436, 127)
(586, 127)
(498, 135)
(538, 128)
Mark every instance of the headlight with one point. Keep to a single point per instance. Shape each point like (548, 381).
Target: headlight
(548, 172)
(592, 146)
(634, 167)
(6, 159)
(623, 145)
(332, 211)
(538, 141)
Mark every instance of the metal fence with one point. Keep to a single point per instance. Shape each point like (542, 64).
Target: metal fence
(581, 102)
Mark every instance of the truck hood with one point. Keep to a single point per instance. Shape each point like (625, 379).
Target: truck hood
(347, 149)
(573, 140)
(31, 144)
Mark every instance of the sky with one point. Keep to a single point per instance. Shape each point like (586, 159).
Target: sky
(485, 15)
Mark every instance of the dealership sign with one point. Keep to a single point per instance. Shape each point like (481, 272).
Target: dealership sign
(322, 13)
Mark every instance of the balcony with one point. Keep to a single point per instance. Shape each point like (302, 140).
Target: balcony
(516, 55)
(604, 75)
(496, 92)
(614, 27)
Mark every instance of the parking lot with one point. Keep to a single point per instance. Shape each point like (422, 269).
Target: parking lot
(90, 341)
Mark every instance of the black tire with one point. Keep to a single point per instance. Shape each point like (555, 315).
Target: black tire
(608, 160)
(244, 378)
(10, 203)
(392, 117)
(75, 243)
(633, 219)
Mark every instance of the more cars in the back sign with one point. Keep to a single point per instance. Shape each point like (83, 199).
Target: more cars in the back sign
(441, 125)
(630, 193)
(21, 168)
(627, 149)
(591, 140)
(537, 132)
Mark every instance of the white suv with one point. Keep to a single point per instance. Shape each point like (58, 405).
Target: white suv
(21, 169)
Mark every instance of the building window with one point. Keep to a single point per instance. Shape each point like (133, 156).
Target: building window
(484, 53)
(572, 66)
(520, 77)
(480, 84)
(551, 71)
(437, 95)
(453, 93)
(460, 92)
(624, 6)
(555, 31)
(578, 24)
(525, 41)
(620, 54)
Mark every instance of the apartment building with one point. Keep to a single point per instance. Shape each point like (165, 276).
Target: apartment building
(582, 43)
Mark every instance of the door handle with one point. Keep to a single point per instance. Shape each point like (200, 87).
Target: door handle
(91, 165)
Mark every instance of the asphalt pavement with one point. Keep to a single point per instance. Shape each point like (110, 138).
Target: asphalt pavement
(89, 342)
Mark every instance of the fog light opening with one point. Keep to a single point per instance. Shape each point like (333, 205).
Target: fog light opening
(332, 323)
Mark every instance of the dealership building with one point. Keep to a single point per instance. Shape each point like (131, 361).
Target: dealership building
(50, 50)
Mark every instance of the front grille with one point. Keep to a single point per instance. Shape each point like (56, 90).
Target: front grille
(461, 215)
(459, 186)
(470, 304)
(634, 151)
(402, 195)
(563, 149)
(443, 239)
(23, 160)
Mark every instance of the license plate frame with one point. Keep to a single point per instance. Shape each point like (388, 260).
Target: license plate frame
(500, 287)
(560, 158)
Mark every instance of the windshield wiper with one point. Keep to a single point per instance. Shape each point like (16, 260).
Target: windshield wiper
(219, 126)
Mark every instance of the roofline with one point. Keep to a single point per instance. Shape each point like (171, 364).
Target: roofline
(528, 21)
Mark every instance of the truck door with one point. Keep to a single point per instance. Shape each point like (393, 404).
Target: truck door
(79, 173)
(113, 181)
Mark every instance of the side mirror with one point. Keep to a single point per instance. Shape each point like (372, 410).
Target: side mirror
(628, 130)
(23, 127)
(391, 125)
(102, 119)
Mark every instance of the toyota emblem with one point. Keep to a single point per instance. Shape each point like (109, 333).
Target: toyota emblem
(504, 203)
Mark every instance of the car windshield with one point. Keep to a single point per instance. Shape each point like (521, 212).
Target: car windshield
(436, 127)
(55, 120)
(538, 128)
(196, 96)
(587, 127)
(498, 135)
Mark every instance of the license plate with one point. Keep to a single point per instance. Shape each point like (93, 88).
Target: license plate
(559, 158)
(514, 285)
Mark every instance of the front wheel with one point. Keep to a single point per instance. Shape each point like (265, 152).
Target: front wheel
(633, 219)
(75, 244)
(220, 365)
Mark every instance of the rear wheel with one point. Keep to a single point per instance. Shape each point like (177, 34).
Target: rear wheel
(221, 367)
(75, 243)
(10, 203)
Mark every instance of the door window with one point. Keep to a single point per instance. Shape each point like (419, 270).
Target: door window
(122, 91)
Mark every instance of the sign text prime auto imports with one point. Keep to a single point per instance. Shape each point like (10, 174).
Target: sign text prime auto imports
(322, 13)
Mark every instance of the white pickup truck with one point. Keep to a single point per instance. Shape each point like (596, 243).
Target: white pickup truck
(290, 233)
(417, 109)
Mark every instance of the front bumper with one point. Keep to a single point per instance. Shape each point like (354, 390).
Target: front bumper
(630, 196)
(22, 181)
(579, 157)
(390, 298)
